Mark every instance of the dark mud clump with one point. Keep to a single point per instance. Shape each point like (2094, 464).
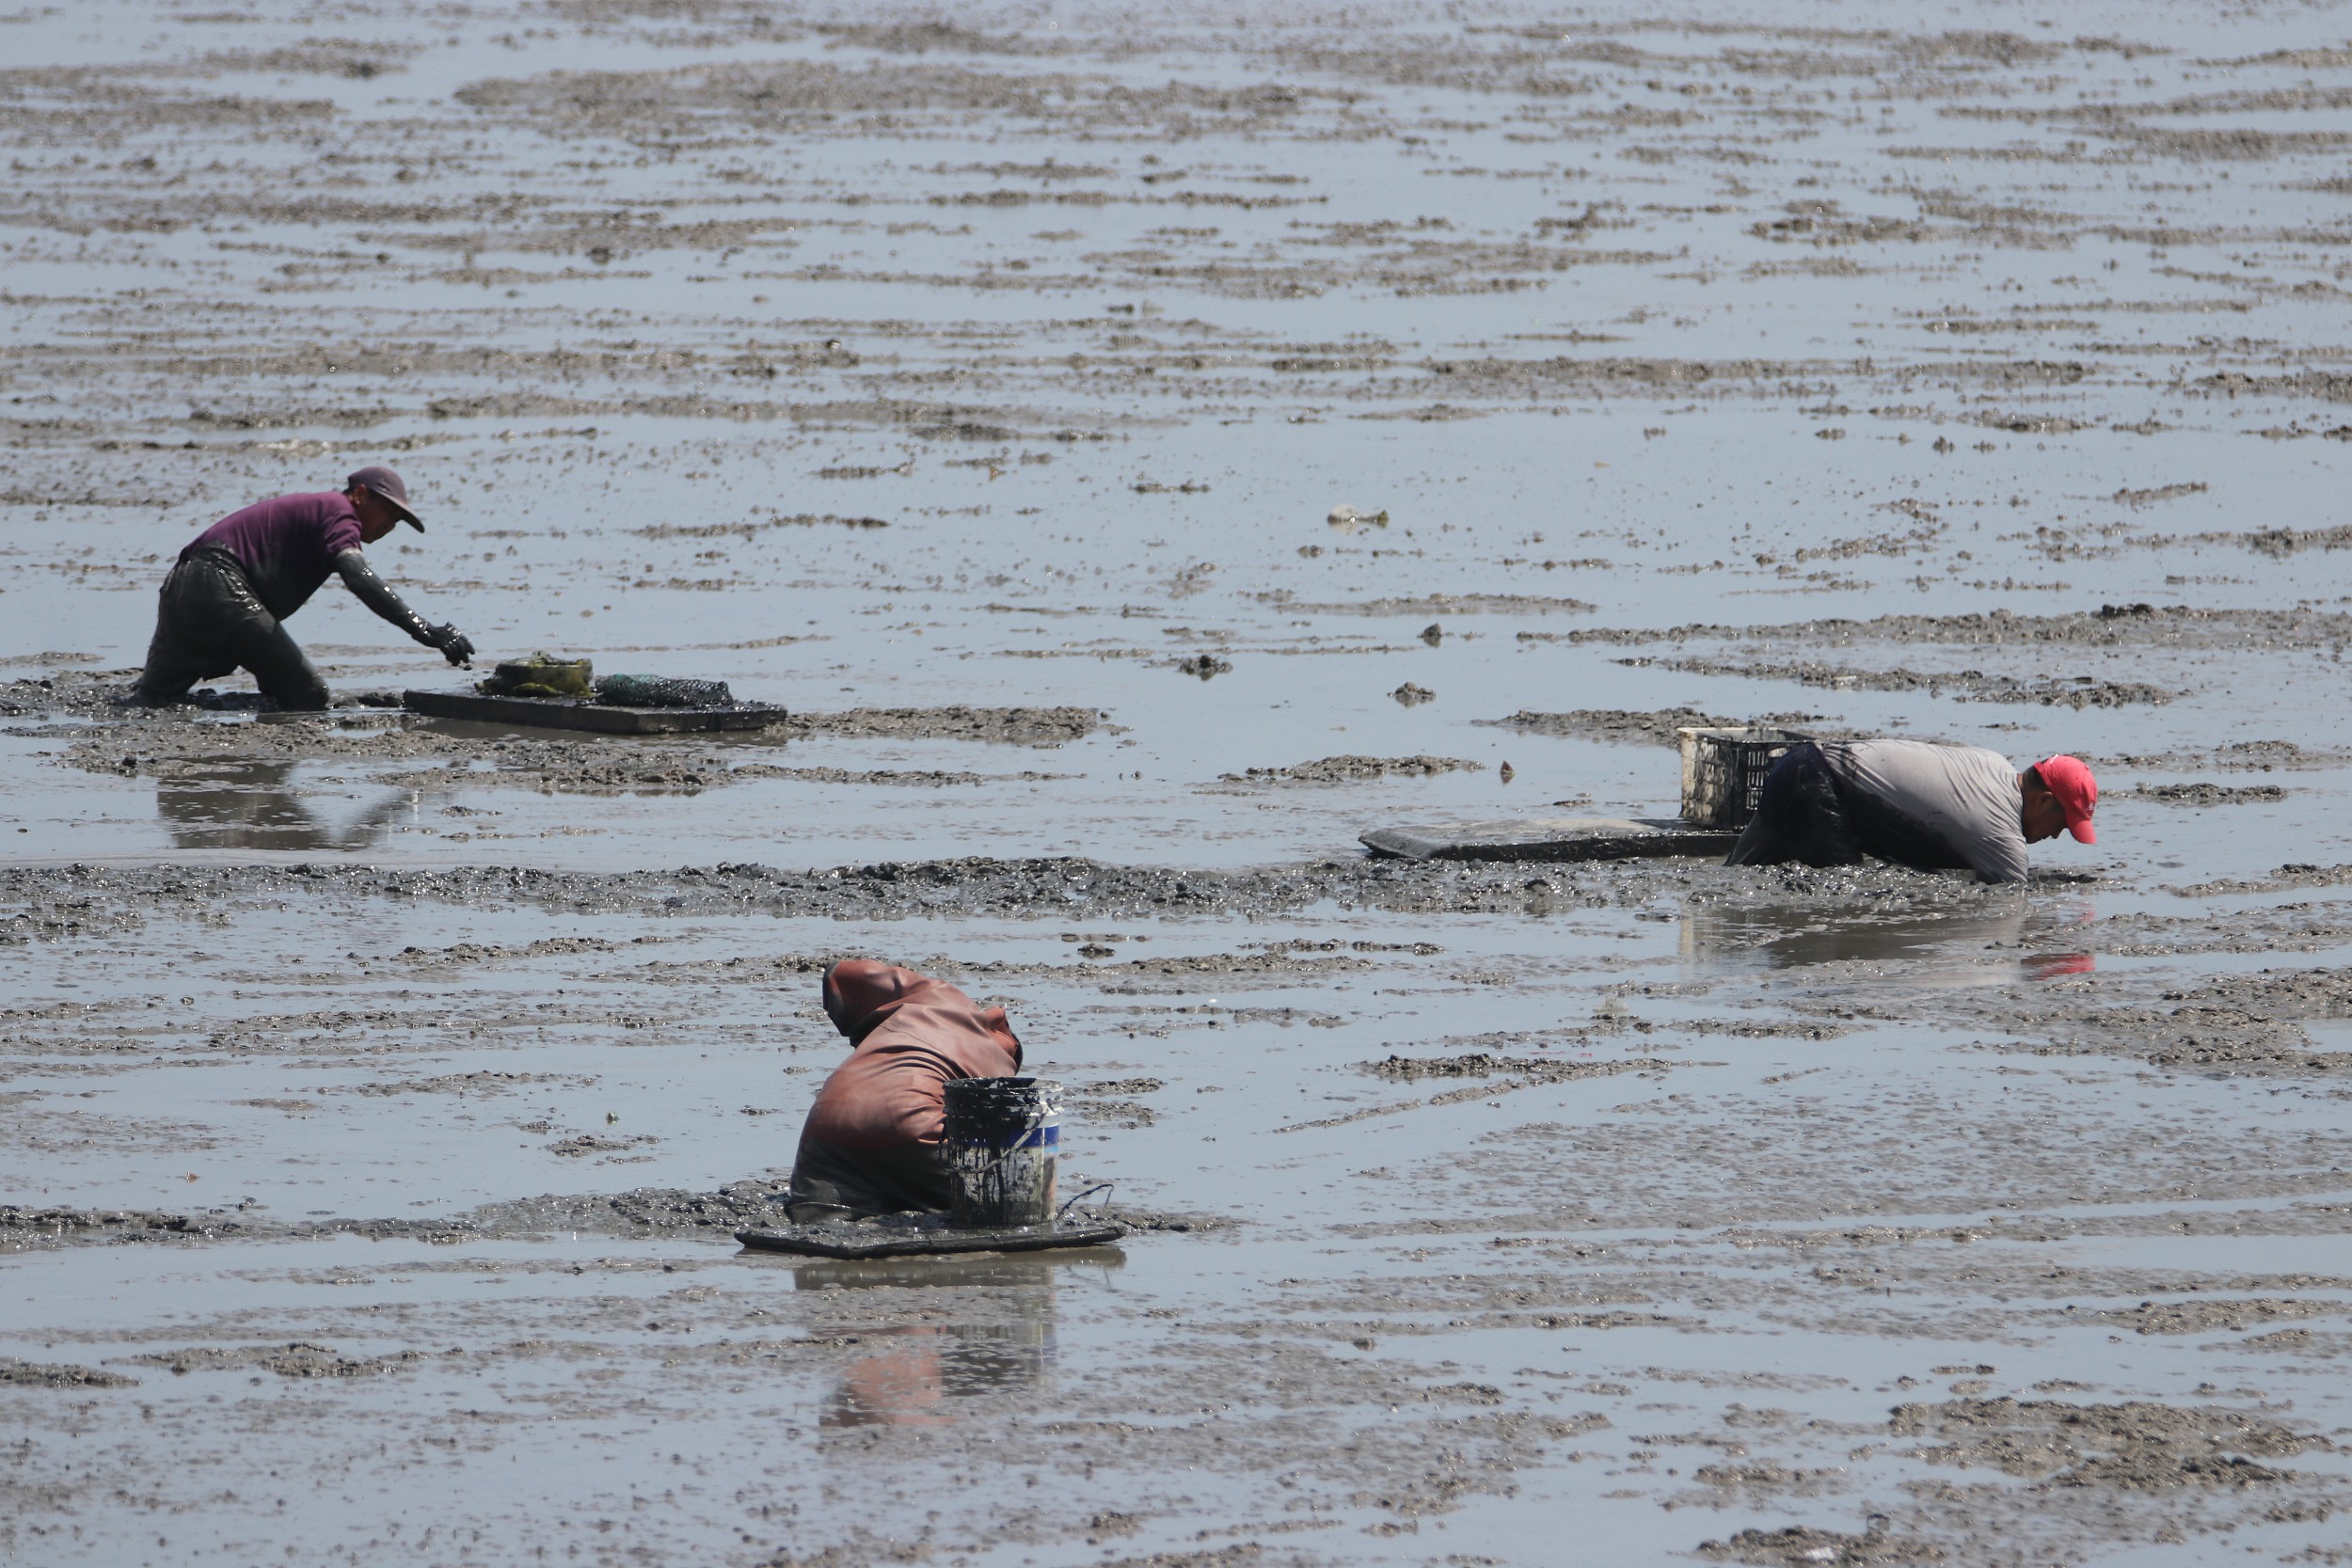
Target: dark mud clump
(2233, 1023)
(2316, 993)
(1495, 1076)
(2261, 757)
(21, 1227)
(590, 1143)
(33, 898)
(642, 1212)
(68, 694)
(1805, 1546)
(247, 755)
(2205, 794)
(1451, 604)
(2208, 1317)
(1230, 967)
(1171, 1221)
(2295, 874)
(675, 1211)
(173, 746)
(2108, 625)
(1478, 1064)
(41, 1374)
(1965, 685)
(1119, 1086)
(143, 737)
(1108, 1103)
(1012, 726)
(916, 779)
(1655, 728)
(2139, 1446)
(296, 1360)
(1352, 769)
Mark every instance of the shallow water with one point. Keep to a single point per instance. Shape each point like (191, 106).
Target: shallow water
(1742, 363)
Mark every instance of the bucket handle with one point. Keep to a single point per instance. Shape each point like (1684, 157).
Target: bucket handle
(1063, 1212)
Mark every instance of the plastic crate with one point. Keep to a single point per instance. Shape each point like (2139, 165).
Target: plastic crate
(1723, 771)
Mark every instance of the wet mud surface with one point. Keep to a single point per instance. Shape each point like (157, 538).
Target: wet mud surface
(1647, 1227)
(1144, 449)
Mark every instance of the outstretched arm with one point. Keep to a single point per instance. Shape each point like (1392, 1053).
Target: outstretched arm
(377, 596)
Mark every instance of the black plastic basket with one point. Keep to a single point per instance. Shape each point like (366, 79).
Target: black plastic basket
(1723, 771)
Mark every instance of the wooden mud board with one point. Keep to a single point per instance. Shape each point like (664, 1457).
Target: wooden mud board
(873, 1241)
(561, 713)
(1552, 838)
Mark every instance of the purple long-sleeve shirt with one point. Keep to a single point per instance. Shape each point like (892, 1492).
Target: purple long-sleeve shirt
(287, 545)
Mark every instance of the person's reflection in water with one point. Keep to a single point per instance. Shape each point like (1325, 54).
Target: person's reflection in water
(1963, 944)
(255, 805)
(924, 1374)
(901, 1386)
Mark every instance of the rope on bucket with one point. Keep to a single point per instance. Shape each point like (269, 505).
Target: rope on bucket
(1063, 1212)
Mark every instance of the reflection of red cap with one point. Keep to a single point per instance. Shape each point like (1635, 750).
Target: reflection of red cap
(2076, 790)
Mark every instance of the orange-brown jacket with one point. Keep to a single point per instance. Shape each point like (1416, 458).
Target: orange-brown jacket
(909, 1035)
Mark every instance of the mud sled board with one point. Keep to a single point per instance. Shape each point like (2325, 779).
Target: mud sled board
(1552, 838)
(567, 713)
(897, 1237)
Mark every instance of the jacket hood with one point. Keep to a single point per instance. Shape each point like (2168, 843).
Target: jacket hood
(861, 992)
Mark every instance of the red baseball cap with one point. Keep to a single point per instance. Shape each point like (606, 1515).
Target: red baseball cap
(2069, 780)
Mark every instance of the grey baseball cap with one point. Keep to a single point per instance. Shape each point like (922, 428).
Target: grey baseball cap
(387, 483)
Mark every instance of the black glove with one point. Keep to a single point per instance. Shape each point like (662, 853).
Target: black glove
(373, 592)
(455, 645)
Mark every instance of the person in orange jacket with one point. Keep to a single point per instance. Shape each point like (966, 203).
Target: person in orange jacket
(874, 1142)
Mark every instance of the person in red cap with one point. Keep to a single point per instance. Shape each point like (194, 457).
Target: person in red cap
(1917, 804)
(874, 1142)
(226, 597)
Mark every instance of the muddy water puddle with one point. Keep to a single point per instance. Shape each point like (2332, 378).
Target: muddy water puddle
(382, 1095)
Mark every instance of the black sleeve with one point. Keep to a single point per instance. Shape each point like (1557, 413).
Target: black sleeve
(373, 592)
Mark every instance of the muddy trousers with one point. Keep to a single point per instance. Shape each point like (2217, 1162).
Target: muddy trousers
(832, 1184)
(1801, 816)
(208, 623)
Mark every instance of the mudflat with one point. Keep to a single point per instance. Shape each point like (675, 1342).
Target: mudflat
(1145, 449)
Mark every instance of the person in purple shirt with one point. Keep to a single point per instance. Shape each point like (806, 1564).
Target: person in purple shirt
(225, 600)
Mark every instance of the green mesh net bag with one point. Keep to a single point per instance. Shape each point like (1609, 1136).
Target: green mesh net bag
(661, 691)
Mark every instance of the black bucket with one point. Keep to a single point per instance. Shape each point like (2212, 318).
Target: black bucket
(1003, 1138)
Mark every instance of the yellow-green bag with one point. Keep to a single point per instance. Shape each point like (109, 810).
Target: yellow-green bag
(540, 675)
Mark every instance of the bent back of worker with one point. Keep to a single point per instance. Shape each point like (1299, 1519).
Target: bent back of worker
(874, 1141)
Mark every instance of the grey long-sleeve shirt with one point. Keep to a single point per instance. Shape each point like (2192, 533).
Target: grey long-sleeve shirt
(1933, 807)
